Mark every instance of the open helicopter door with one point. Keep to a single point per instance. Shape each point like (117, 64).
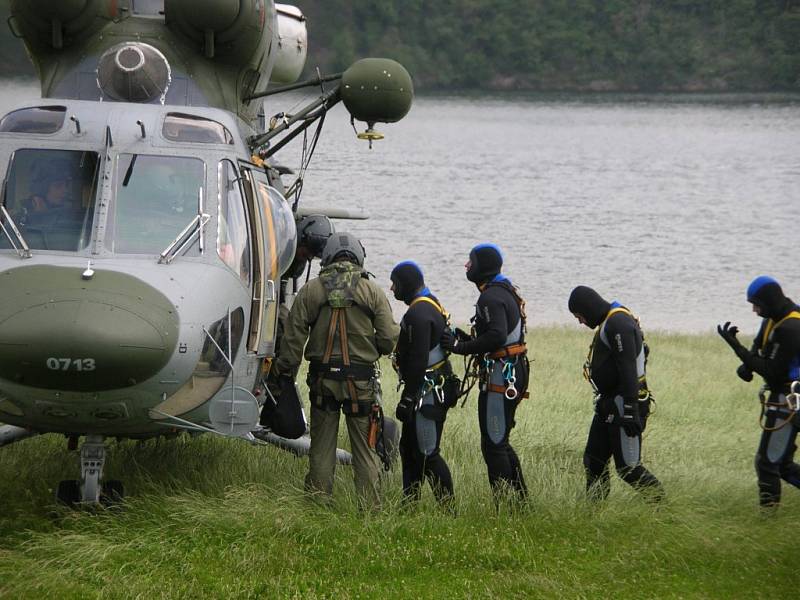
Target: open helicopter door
(274, 236)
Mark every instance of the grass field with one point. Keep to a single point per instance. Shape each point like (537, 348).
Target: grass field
(219, 518)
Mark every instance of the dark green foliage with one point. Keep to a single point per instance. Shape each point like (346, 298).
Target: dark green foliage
(646, 45)
(642, 45)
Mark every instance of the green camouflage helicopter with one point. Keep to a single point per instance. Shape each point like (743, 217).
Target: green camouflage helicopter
(144, 227)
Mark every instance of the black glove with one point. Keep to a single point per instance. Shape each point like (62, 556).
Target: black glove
(728, 333)
(630, 420)
(405, 409)
(744, 373)
(448, 340)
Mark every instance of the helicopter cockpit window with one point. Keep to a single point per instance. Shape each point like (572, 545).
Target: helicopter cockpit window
(180, 127)
(39, 119)
(49, 194)
(156, 199)
(232, 242)
(147, 7)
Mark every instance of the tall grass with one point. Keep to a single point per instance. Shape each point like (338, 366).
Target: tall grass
(211, 517)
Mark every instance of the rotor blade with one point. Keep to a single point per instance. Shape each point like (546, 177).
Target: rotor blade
(332, 213)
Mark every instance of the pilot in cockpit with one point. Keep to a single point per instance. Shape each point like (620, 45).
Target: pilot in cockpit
(49, 193)
(51, 199)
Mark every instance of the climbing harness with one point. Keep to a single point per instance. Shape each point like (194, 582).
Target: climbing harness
(791, 402)
(790, 405)
(645, 395)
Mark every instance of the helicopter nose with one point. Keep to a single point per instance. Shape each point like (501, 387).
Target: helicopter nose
(58, 331)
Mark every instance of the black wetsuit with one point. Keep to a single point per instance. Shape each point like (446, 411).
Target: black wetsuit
(617, 363)
(420, 331)
(497, 316)
(773, 359)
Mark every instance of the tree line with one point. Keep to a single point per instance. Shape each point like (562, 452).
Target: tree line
(624, 45)
(557, 45)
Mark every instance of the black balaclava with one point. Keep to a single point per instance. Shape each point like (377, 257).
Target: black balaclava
(765, 292)
(407, 279)
(486, 261)
(589, 304)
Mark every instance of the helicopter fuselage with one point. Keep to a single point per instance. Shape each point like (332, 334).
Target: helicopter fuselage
(140, 262)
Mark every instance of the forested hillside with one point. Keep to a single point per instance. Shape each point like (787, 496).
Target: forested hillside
(645, 45)
(568, 44)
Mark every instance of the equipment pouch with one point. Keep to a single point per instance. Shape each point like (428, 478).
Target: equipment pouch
(285, 416)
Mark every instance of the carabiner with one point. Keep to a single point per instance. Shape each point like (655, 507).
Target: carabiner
(793, 402)
(511, 392)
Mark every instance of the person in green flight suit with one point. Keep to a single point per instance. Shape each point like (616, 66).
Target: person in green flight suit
(347, 321)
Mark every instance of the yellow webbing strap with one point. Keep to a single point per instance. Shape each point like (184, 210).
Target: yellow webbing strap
(772, 325)
(442, 311)
(438, 306)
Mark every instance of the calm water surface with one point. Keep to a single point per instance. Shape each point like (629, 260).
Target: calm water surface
(669, 205)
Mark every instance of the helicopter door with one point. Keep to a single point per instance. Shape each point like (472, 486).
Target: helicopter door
(274, 243)
(263, 301)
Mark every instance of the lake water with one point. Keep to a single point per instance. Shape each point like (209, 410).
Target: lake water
(668, 204)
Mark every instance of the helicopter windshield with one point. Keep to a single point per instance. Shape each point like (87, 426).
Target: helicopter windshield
(156, 198)
(49, 195)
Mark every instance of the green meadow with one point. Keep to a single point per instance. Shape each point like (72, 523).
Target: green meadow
(211, 517)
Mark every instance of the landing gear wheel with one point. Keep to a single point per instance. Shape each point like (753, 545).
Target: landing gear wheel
(112, 493)
(69, 492)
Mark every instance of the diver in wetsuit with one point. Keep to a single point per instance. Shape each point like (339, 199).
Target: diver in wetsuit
(775, 355)
(616, 370)
(424, 369)
(499, 345)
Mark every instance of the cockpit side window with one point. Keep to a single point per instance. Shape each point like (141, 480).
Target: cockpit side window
(50, 196)
(39, 119)
(156, 199)
(180, 127)
(233, 244)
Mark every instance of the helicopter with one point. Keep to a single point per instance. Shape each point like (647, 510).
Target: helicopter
(145, 228)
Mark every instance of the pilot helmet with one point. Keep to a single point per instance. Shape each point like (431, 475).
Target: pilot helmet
(343, 244)
(313, 232)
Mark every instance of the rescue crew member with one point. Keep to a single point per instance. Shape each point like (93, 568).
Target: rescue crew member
(499, 344)
(426, 375)
(616, 370)
(313, 232)
(347, 321)
(775, 355)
